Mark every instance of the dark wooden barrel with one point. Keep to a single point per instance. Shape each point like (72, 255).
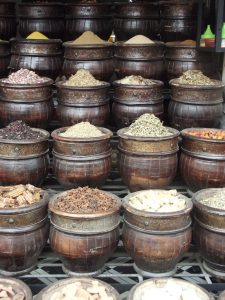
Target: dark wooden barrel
(17, 285)
(42, 56)
(202, 161)
(4, 57)
(195, 105)
(147, 162)
(25, 161)
(136, 18)
(132, 101)
(160, 238)
(95, 17)
(178, 20)
(31, 103)
(84, 242)
(98, 59)
(209, 233)
(47, 18)
(180, 58)
(144, 59)
(7, 20)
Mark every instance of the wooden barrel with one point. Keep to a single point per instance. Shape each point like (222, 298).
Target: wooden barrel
(161, 239)
(31, 103)
(98, 59)
(147, 162)
(202, 161)
(95, 17)
(178, 20)
(132, 101)
(7, 20)
(195, 105)
(84, 242)
(24, 161)
(4, 57)
(42, 56)
(209, 233)
(47, 18)
(139, 59)
(136, 18)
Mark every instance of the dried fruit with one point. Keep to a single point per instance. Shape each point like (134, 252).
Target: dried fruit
(208, 134)
(7, 293)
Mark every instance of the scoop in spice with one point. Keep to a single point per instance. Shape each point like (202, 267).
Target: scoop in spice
(139, 39)
(88, 38)
(24, 76)
(82, 130)
(135, 80)
(195, 77)
(83, 78)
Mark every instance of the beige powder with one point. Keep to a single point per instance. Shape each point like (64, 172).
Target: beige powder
(83, 78)
(88, 38)
(139, 39)
(82, 130)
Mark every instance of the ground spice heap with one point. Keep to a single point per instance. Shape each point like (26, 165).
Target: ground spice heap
(24, 76)
(188, 43)
(195, 77)
(83, 78)
(85, 201)
(18, 130)
(148, 125)
(215, 201)
(139, 39)
(135, 80)
(36, 35)
(88, 38)
(82, 130)
(8, 293)
(209, 134)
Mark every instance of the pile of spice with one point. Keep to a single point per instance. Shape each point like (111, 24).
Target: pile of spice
(209, 134)
(158, 201)
(139, 39)
(135, 80)
(215, 201)
(24, 76)
(83, 78)
(82, 130)
(171, 290)
(188, 43)
(36, 35)
(194, 77)
(18, 130)
(88, 38)
(8, 293)
(148, 125)
(96, 291)
(85, 201)
(19, 195)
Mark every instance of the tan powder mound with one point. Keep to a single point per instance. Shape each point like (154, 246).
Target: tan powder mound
(88, 38)
(139, 39)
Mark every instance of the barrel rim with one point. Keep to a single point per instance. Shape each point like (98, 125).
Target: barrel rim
(175, 84)
(69, 44)
(60, 85)
(184, 133)
(176, 44)
(26, 86)
(19, 284)
(55, 135)
(157, 83)
(155, 44)
(146, 3)
(30, 141)
(53, 4)
(3, 42)
(89, 4)
(35, 41)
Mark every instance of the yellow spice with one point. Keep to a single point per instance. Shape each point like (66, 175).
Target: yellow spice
(36, 36)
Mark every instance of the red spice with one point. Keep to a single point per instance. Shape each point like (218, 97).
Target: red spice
(209, 134)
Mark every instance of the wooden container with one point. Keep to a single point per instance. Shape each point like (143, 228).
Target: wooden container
(161, 239)
(31, 103)
(136, 18)
(47, 18)
(202, 161)
(148, 162)
(209, 233)
(85, 283)
(95, 17)
(81, 161)
(7, 20)
(88, 103)
(132, 101)
(181, 58)
(84, 242)
(139, 59)
(98, 59)
(4, 57)
(195, 105)
(21, 224)
(42, 56)
(17, 285)
(137, 290)
(24, 161)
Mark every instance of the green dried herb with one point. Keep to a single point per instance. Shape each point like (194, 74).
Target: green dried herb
(195, 77)
(215, 201)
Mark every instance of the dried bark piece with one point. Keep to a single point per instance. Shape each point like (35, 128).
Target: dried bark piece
(3, 294)
(16, 192)
(19, 296)
(28, 197)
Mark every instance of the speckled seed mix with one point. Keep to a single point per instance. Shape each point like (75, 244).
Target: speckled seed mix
(83, 78)
(194, 77)
(216, 201)
(24, 76)
(82, 130)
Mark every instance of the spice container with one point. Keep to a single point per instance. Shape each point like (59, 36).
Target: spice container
(159, 221)
(17, 289)
(7, 20)
(22, 218)
(82, 286)
(209, 229)
(26, 96)
(4, 58)
(131, 100)
(148, 161)
(85, 229)
(139, 59)
(204, 158)
(80, 160)
(23, 154)
(41, 56)
(196, 101)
